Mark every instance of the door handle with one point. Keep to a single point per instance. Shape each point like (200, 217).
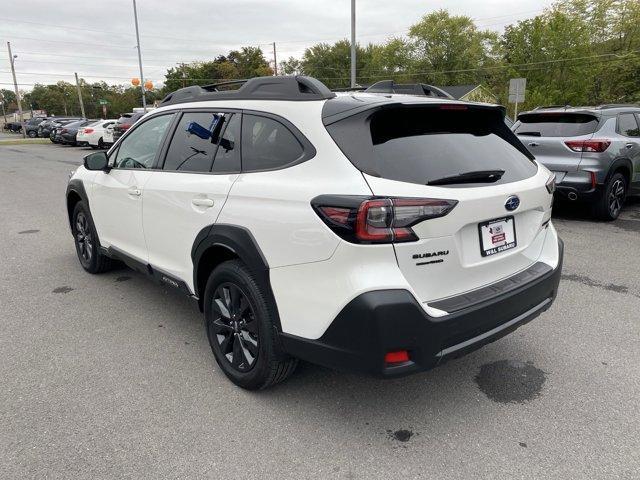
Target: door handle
(630, 145)
(534, 144)
(135, 191)
(202, 202)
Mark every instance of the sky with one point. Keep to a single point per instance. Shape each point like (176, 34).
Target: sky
(52, 40)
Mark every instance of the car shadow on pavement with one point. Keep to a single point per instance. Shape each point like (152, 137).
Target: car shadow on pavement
(579, 211)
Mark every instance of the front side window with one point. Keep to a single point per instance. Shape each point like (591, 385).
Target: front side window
(267, 144)
(627, 125)
(194, 143)
(139, 148)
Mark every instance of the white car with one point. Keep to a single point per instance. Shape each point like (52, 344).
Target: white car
(372, 233)
(93, 134)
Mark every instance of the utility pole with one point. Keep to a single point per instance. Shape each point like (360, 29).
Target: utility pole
(135, 17)
(4, 112)
(353, 43)
(275, 60)
(80, 96)
(15, 85)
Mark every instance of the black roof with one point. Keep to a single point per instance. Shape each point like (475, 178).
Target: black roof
(292, 88)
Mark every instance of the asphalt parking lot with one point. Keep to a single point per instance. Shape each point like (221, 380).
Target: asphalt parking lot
(111, 376)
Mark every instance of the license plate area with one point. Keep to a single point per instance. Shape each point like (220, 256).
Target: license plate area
(497, 236)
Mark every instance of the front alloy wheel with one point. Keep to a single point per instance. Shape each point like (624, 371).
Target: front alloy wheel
(84, 238)
(235, 327)
(616, 197)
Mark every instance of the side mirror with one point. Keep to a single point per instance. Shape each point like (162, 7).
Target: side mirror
(97, 161)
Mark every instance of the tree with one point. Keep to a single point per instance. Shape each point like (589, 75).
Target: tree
(448, 50)
(290, 66)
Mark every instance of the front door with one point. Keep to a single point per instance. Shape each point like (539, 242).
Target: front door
(117, 196)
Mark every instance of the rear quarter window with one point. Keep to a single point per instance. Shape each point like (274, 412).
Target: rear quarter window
(554, 124)
(268, 144)
(421, 144)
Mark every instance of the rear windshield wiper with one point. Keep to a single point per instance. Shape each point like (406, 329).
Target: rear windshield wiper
(478, 176)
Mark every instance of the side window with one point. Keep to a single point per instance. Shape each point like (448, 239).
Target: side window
(627, 125)
(192, 146)
(139, 148)
(228, 155)
(267, 144)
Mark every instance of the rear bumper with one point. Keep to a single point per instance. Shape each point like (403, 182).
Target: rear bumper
(578, 186)
(383, 321)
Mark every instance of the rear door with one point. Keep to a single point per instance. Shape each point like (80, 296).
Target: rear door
(545, 134)
(497, 227)
(187, 194)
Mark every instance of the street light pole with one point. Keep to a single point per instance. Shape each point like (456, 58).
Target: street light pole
(135, 17)
(15, 85)
(353, 43)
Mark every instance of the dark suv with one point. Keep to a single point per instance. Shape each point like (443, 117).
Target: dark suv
(124, 123)
(593, 151)
(31, 126)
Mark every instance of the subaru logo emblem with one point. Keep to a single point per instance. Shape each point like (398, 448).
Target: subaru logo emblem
(512, 203)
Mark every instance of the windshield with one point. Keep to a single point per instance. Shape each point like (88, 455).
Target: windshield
(554, 124)
(427, 143)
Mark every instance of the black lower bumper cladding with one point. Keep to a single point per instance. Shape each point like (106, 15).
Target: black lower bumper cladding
(378, 322)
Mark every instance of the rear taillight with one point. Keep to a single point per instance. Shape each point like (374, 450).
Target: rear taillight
(125, 126)
(378, 220)
(64, 130)
(551, 184)
(87, 130)
(594, 146)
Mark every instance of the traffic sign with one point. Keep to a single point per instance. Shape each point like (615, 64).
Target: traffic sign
(517, 87)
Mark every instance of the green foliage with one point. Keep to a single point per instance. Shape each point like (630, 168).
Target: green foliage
(247, 62)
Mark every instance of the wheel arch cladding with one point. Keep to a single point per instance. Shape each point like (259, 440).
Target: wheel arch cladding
(624, 166)
(75, 194)
(215, 244)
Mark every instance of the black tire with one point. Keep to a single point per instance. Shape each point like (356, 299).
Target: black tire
(609, 205)
(100, 144)
(87, 243)
(243, 339)
(32, 134)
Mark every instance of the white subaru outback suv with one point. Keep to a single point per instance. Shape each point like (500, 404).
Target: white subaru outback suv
(374, 233)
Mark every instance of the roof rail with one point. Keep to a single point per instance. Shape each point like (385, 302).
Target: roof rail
(349, 89)
(421, 89)
(292, 88)
(545, 107)
(617, 105)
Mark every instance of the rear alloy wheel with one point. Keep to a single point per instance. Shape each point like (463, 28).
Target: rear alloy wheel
(32, 134)
(610, 204)
(235, 327)
(239, 317)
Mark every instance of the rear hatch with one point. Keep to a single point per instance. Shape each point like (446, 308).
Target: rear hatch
(545, 135)
(496, 227)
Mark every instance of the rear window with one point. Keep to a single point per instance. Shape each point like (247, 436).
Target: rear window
(422, 144)
(556, 124)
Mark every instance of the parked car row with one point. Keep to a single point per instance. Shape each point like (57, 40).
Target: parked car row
(87, 132)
